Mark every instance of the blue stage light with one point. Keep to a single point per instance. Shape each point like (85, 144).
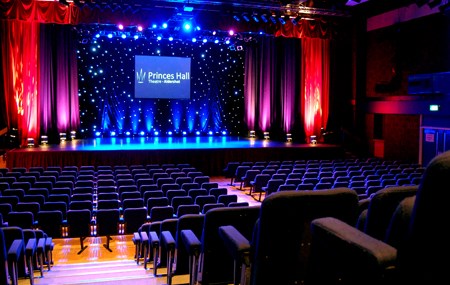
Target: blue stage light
(164, 26)
(156, 133)
(184, 133)
(197, 133)
(127, 133)
(170, 38)
(194, 40)
(224, 133)
(97, 134)
(169, 133)
(210, 133)
(187, 26)
(113, 133)
(142, 133)
(110, 36)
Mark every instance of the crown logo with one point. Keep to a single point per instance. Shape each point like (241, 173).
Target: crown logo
(140, 76)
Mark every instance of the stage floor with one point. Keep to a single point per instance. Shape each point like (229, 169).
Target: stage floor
(210, 153)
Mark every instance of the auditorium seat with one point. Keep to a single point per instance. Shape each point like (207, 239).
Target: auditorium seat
(414, 259)
(284, 218)
(51, 222)
(79, 222)
(107, 224)
(215, 265)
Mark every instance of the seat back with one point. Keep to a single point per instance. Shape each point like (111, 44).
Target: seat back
(107, 221)
(283, 231)
(216, 264)
(51, 222)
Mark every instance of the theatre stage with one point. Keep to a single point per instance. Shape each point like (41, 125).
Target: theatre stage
(208, 154)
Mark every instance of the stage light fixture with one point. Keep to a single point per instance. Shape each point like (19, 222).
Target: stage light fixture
(282, 21)
(236, 17)
(120, 26)
(127, 133)
(296, 20)
(266, 135)
(44, 139)
(64, 2)
(210, 133)
(252, 134)
(255, 18)
(313, 139)
(289, 137)
(97, 134)
(73, 134)
(170, 133)
(30, 142)
(273, 19)
(184, 133)
(246, 18)
(188, 8)
(113, 133)
(156, 133)
(62, 137)
(142, 133)
(264, 18)
(197, 133)
(224, 133)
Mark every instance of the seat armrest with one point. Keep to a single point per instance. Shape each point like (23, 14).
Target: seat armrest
(236, 244)
(341, 251)
(191, 242)
(15, 250)
(136, 238)
(153, 239)
(167, 240)
(144, 237)
(41, 244)
(31, 246)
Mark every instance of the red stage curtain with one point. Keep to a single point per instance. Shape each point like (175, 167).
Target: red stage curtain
(315, 77)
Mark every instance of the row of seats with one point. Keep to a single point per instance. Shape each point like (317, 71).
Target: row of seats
(365, 178)
(22, 252)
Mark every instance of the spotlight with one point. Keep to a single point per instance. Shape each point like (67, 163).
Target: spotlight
(120, 26)
(224, 133)
(289, 137)
(236, 17)
(282, 21)
(296, 20)
(64, 2)
(313, 139)
(197, 133)
(266, 135)
(273, 19)
(156, 133)
(30, 142)
(142, 133)
(252, 134)
(169, 133)
(264, 18)
(97, 134)
(62, 137)
(127, 133)
(210, 133)
(187, 26)
(44, 139)
(184, 133)
(246, 18)
(113, 133)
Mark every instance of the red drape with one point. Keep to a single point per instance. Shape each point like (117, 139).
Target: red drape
(316, 82)
(21, 77)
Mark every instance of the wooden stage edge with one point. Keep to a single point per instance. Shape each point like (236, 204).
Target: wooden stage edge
(210, 160)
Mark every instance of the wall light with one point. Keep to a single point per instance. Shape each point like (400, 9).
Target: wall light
(62, 137)
(289, 137)
(30, 142)
(44, 139)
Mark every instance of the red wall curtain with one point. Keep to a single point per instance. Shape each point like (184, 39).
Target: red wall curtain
(316, 81)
